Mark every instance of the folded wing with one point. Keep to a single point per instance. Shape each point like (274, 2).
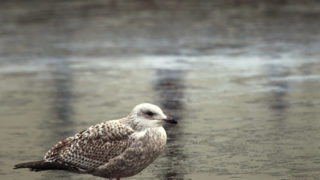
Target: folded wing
(91, 148)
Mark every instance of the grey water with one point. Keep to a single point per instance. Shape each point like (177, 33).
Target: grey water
(242, 78)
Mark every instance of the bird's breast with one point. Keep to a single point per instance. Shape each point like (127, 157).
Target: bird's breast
(151, 140)
(145, 147)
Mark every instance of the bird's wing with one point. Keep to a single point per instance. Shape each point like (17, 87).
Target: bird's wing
(92, 147)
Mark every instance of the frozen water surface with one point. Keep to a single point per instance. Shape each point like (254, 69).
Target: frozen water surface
(242, 77)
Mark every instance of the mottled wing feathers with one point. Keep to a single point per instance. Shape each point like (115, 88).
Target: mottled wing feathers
(56, 150)
(92, 147)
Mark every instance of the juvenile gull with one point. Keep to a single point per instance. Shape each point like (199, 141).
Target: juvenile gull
(111, 149)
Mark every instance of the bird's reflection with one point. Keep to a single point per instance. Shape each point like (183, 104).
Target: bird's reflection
(169, 86)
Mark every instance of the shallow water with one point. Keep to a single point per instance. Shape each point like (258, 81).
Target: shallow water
(241, 78)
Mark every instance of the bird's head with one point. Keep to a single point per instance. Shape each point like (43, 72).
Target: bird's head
(149, 115)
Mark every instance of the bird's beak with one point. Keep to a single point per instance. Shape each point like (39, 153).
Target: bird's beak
(170, 120)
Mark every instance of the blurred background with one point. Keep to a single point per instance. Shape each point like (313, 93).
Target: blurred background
(241, 76)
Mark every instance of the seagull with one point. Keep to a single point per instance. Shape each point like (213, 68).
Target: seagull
(111, 149)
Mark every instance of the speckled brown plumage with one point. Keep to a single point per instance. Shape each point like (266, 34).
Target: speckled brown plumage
(112, 149)
(87, 150)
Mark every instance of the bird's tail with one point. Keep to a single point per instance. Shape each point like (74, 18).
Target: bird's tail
(41, 166)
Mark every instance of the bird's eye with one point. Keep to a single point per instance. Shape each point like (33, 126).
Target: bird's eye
(149, 113)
